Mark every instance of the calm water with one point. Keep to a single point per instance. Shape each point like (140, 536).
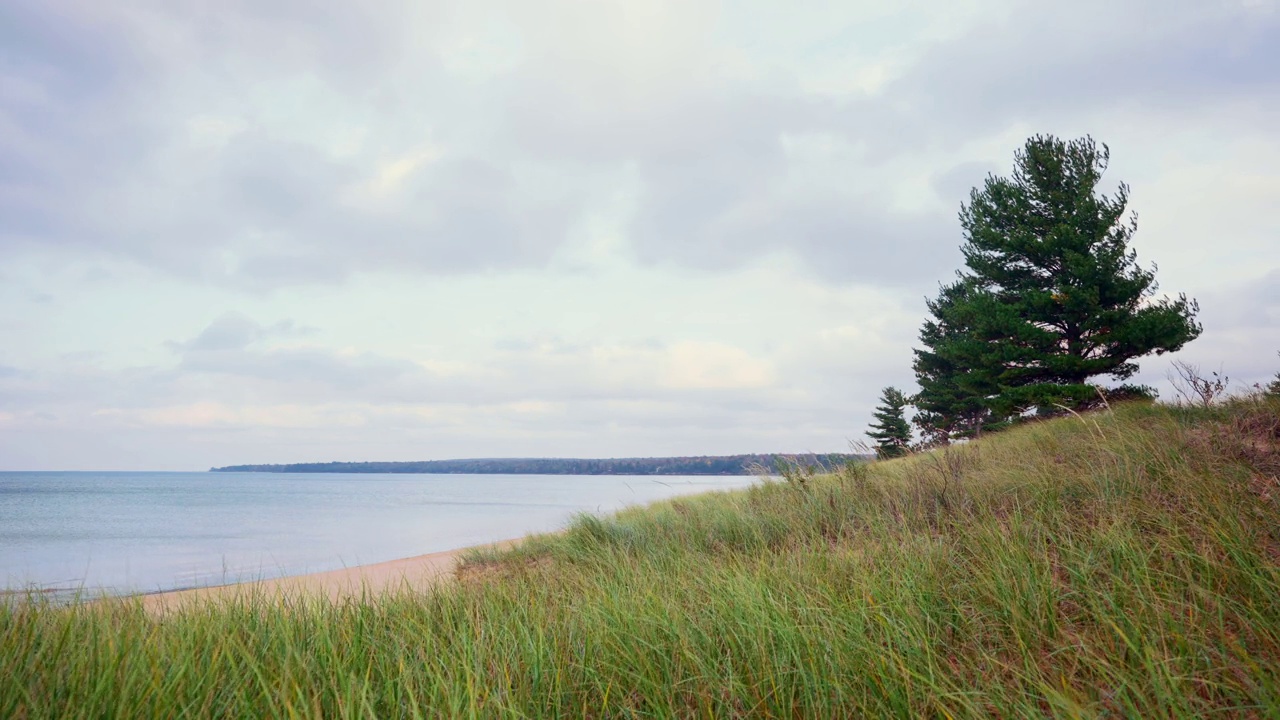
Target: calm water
(137, 532)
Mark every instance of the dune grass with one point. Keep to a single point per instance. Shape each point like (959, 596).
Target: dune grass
(1119, 564)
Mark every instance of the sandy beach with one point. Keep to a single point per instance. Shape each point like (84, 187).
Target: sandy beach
(417, 573)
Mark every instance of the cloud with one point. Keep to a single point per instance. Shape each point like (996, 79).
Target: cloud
(205, 415)
(1052, 66)
(694, 365)
(1240, 335)
(240, 373)
(666, 225)
(236, 175)
(236, 362)
(264, 146)
(266, 175)
(235, 331)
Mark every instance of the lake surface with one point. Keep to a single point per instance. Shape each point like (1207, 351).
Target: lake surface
(124, 532)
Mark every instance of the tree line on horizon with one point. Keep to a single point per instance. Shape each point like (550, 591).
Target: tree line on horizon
(1050, 298)
(749, 464)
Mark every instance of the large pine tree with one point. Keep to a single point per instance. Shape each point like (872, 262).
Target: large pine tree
(1051, 294)
(890, 430)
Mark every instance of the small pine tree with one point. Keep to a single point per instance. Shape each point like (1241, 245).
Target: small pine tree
(891, 431)
(1273, 390)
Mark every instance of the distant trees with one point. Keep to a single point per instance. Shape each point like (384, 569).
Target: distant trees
(1050, 297)
(890, 430)
(699, 465)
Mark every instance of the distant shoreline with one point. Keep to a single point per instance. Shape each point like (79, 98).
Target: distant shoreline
(693, 465)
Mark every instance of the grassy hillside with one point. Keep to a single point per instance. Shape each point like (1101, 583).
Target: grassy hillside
(1121, 564)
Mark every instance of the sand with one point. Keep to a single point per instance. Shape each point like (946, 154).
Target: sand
(414, 573)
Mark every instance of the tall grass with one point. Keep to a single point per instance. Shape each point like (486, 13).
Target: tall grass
(1121, 564)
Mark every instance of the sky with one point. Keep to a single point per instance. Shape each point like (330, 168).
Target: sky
(251, 231)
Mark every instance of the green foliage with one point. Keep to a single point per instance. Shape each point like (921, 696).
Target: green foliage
(1125, 393)
(890, 429)
(952, 401)
(1115, 565)
(1051, 296)
(1273, 388)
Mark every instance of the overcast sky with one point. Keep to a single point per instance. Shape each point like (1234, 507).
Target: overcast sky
(243, 231)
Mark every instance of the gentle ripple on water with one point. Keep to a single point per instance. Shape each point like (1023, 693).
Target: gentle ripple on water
(138, 532)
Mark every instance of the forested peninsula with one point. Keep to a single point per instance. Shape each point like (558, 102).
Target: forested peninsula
(700, 465)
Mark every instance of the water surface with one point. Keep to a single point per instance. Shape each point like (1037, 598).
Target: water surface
(140, 532)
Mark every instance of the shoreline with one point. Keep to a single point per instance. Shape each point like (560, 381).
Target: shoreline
(417, 572)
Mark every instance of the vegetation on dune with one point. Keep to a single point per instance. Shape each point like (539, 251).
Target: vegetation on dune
(1113, 564)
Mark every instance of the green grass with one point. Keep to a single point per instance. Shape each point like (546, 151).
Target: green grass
(1120, 564)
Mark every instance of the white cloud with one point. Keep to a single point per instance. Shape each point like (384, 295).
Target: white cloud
(208, 414)
(700, 365)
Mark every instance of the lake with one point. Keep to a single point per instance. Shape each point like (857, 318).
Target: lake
(121, 532)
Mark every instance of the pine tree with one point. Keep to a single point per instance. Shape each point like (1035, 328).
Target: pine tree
(891, 431)
(951, 402)
(1051, 295)
(1273, 389)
